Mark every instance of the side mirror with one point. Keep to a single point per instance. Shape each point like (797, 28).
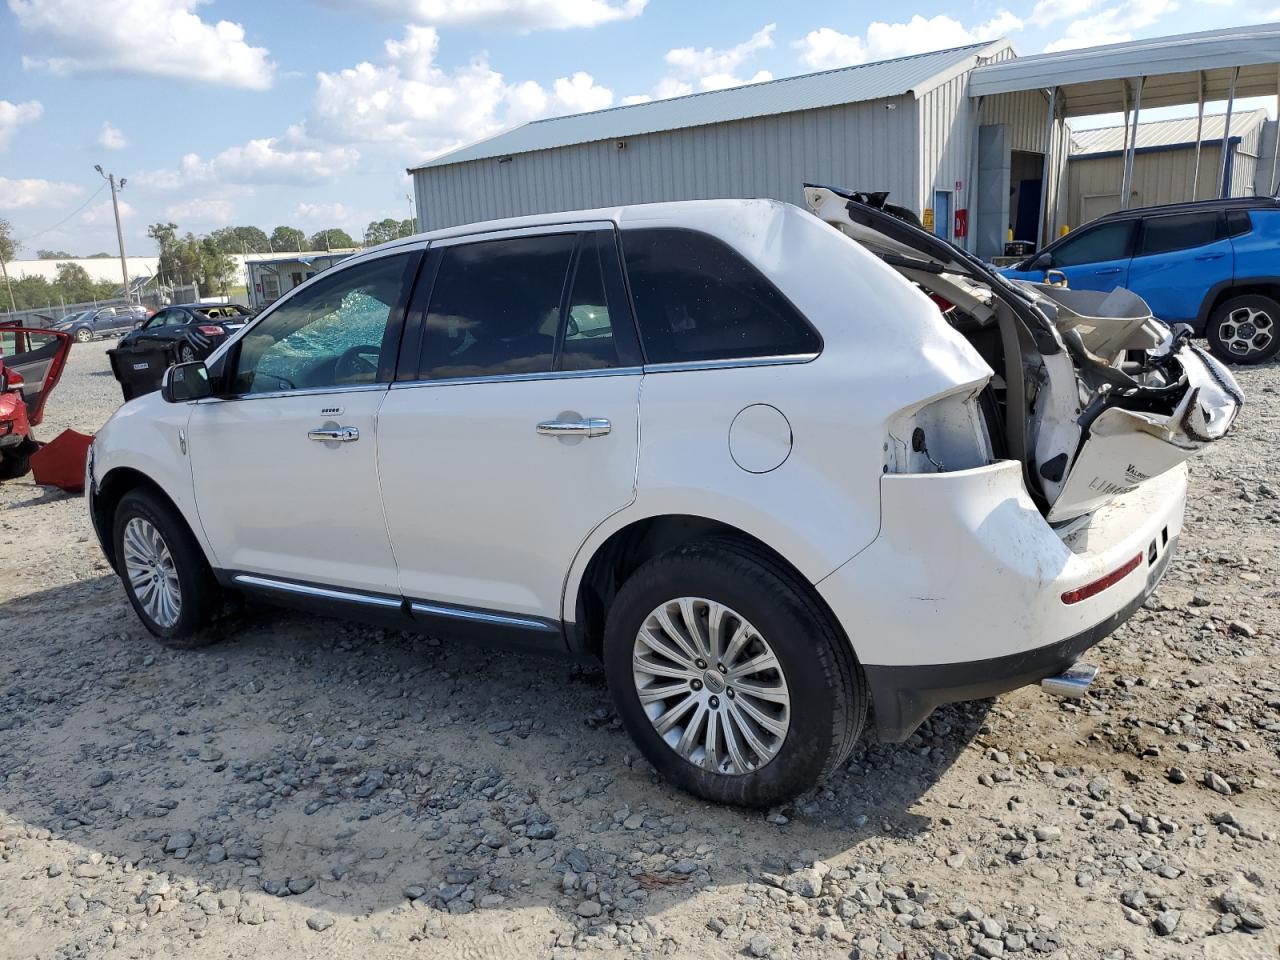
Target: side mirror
(1042, 262)
(186, 381)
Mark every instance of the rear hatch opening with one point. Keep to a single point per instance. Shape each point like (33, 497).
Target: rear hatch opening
(1091, 393)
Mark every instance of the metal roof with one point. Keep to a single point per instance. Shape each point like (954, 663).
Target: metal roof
(1165, 133)
(1089, 80)
(866, 81)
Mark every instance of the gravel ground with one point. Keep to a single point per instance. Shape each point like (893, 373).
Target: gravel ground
(314, 788)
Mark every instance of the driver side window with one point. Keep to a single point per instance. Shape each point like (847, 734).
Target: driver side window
(329, 335)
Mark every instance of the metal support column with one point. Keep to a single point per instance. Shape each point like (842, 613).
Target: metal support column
(1042, 231)
(971, 187)
(1126, 180)
(1224, 188)
(1275, 154)
(1195, 177)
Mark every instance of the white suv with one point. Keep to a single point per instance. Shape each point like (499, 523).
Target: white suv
(780, 470)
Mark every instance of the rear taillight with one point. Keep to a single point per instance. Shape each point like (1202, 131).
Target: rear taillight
(211, 330)
(1102, 583)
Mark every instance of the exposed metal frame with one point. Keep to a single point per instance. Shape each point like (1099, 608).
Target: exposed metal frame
(1126, 179)
(1046, 169)
(1195, 177)
(1224, 188)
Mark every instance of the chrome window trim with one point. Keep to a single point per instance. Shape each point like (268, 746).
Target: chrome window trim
(324, 593)
(516, 377)
(301, 392)
(459, 613)
(677, 366)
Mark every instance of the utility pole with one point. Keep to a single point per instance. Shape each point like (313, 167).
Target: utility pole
(115, 206)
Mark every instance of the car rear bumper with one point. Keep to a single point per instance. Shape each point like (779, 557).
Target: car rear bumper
(961, 594)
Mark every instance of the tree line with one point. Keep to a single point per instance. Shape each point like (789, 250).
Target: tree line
(184, 258)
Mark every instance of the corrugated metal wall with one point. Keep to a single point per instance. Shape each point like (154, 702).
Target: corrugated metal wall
(865, 146)
(945, 131)
(1161, 176)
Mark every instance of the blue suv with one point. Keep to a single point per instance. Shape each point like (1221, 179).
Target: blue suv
(1213, 264)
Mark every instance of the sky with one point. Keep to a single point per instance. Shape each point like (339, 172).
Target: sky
(307, 112)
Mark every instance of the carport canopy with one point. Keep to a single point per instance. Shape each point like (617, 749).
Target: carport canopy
(1175, 70)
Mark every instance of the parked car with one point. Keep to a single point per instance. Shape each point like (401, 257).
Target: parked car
(864, 483)
(190, 330)
(31, 363)
(102, 322)
(1209, 264)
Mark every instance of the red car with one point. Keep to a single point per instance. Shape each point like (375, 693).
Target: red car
(31, 363)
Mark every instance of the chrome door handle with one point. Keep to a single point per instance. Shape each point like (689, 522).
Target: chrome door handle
(591, 427)
(332, 434)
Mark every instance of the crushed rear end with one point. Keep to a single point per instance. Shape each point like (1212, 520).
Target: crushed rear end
(1002, 567)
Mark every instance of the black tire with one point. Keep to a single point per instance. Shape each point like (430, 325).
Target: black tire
(828, 694)
(1226, 319)
(84, 335)
(186, 353)
(15, 463)
(200, 596)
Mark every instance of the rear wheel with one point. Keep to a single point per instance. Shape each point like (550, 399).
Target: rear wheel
(16, 462)
(732, 680)
(186, 353)
(1245, 329)
(165, 574)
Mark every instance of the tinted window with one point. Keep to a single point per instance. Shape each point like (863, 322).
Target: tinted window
(1108, 241)
(328, 335)
(588, 332)
(495, 307)
(696, 299)
(1179, 232)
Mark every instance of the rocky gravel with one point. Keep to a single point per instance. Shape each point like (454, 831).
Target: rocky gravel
(315, 788)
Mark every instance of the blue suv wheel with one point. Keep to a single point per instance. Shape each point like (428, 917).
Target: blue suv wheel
(1245, 329)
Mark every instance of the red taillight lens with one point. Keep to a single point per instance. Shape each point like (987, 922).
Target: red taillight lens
(211, 330)
(1095, 588)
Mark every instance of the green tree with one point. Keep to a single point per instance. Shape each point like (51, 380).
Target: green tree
(287, 238)
(380, 231)
(241, 239)
(54, 255)
(333, 238)
(99, 256)
(8, 250)
(74, 283)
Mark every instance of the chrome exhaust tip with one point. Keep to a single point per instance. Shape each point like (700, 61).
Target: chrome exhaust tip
(1073, 682)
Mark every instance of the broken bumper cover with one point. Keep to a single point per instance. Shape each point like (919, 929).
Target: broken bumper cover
(961, 595)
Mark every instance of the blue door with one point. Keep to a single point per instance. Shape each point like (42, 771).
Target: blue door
(1092, 258)
(1179, 257)
(942, 214)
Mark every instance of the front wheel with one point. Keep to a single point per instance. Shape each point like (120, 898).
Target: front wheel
(731, 678)
(1245, 329)
(84, 335)
(165, 574)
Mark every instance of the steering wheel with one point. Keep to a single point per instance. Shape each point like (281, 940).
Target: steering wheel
(358, 363)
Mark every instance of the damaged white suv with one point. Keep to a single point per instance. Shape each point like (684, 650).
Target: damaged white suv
(780, 470)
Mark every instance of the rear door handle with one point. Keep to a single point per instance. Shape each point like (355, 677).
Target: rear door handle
(334, 434)
(589, 427)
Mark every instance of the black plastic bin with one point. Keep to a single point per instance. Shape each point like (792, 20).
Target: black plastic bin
(140, 371)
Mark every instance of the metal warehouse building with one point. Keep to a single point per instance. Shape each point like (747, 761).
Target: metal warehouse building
(974, 139)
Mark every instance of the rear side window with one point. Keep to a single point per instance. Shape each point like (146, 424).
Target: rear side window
(1107, 241)
(1178, 232)
(697, 299)
(495, 307)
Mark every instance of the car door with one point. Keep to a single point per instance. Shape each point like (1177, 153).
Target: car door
(1096, 257)
(284, 457)
(516, 431)
(1179, 257)
(38, 358)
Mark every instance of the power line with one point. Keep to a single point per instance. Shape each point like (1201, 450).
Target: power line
(38, 233)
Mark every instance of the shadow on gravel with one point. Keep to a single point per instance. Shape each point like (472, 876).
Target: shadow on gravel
(355, 769)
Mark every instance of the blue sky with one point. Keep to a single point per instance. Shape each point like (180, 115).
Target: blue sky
(306, 112)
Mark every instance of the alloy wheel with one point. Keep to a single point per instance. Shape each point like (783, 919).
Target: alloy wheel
(1246, 331)
(711, 685)
(185, 353)
(151, 571)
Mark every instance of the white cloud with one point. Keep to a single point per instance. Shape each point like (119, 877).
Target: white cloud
(709, 68)
(321, 213)
(112, 138)
(101, 213)
(519, 15)
(827, 48)
(13, 115)
(200, 210)
(1051, 11)
(148, 37)
(15, 194)
(412, 102)
(290, 160)
(1114, 24)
